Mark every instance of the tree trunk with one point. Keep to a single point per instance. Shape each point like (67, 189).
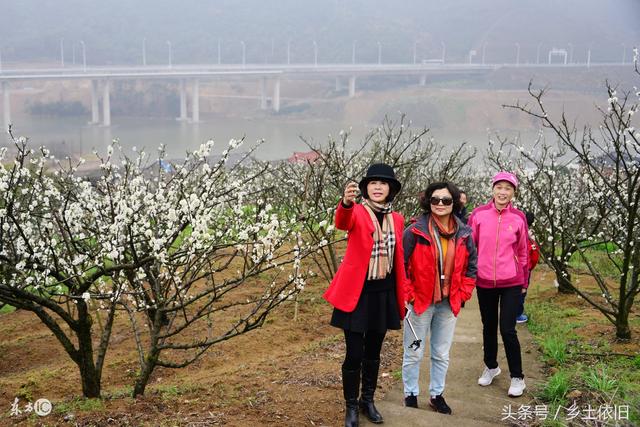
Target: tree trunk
(91, 377)
(623, 332)
(564, 279)
(143, 378)
(334, 259)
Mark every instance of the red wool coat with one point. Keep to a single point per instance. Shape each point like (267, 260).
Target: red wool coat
(346, 286)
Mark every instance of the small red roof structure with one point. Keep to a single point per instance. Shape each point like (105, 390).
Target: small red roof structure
(306, 156)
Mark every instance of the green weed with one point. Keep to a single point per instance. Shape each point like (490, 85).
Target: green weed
(544, 317)
(168, 391)
(26, 390)
(598, 259)
(556, 388)
(599, 378)
(570, 312)
(539, 315)
(617, 381)
(173, 391)
(29, 388)
(550, 421)
(554, 348)
(6, 309)
(119, 393)
(79, 404)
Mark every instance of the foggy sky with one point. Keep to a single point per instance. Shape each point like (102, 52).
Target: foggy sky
(32, 30)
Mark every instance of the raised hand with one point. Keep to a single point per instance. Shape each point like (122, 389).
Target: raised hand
(350, 193)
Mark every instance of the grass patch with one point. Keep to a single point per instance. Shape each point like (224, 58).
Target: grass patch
(600, 378)
(554, 348)
(79, 404)
(26, 390)
(30, 388)
(119, 393)
(550, 422)
(168, 391)
(172, 391)
(552, 330)
(556, 388)
(579, 376)
(7, 309)
(397, 375)
(599, 260)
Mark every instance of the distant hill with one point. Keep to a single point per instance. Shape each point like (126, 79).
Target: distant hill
(113, 31)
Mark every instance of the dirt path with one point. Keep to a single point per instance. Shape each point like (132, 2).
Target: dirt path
(472, 404)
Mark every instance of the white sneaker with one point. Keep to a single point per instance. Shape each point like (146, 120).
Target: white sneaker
(488, 375)
(517, 387)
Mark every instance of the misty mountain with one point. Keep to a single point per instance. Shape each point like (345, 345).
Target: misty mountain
(113, 31)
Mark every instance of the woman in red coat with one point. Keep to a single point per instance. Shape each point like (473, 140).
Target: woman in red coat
(367, 291)
(441, 265)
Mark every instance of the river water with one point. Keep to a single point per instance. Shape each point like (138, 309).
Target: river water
(73, 135)
(282, 137)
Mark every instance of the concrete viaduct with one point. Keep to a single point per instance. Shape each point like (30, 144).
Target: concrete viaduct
(190, 77)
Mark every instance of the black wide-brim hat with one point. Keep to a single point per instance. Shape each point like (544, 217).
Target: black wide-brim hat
(382, 172)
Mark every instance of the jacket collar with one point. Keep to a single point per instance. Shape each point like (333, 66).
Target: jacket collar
(421, 226)
(507, 208)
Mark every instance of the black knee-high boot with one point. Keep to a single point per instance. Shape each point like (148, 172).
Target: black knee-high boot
(350, 385)
(369, 382)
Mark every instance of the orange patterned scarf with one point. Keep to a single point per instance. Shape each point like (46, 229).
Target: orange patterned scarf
(444, 261)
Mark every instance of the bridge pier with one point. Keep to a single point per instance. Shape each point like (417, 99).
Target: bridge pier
(6, 106)
(352, 86)
(196, 101)
(183, 101)
(276, 95)
(263, 93)
(423, 80)
(95, 108)
(338, 84)
(106, 104)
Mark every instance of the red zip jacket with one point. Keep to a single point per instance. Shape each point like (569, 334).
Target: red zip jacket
(534, 254)
(420, 261)
(346, 286)
(502, 240)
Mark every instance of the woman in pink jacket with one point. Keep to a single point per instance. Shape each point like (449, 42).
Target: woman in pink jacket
(367, 292)
(501, 236)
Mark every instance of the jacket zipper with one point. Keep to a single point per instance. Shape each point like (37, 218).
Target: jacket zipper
(495, 255)
(419, 232)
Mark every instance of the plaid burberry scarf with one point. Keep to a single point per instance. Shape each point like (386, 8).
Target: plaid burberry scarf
(384, 240)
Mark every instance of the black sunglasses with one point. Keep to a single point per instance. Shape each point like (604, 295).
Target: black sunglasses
(445, 201)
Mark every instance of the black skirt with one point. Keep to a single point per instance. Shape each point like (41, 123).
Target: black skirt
(377, 309)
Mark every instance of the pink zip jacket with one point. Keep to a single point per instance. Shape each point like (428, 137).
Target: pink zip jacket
(502, 240)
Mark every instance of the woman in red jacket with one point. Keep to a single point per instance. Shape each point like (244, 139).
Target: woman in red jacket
(440, 259)
(367, 291)
(534, 257)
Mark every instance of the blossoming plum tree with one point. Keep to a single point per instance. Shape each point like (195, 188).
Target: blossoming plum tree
(222, 257)
(607, 178)
(174, 248)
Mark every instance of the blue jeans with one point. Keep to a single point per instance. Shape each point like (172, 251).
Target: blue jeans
(520, 311)
(439, 323)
